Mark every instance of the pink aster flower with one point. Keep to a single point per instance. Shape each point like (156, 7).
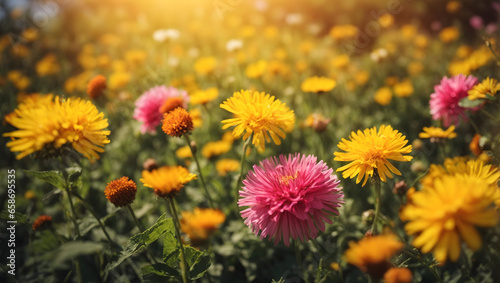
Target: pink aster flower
(147, 107)
(291, 196)
(444, 101)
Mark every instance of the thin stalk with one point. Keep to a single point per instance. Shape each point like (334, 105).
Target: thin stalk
(141, 229)
(298, 257)
(184, 265)
(376, 184)
(488, 114)
(242, 162)
(68, 191)
(103, 228)
(199, 171)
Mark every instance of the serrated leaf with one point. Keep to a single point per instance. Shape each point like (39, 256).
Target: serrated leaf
(144, 239)
(52, 177)
(467, 103)
(171, 249)
(158, 273)
(198, 262)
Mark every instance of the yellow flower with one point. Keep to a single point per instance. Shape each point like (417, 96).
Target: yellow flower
(372, 254)
(487, 86)
(386, 20)
(415, 68)
(177, 122)
(341, 61)
(258, 114)
(184, 152)
(383, 96)
(341, 32)
(204, 96)
(226, 165)
(255, 70)
(30, 34)
(361, 77)
(50, 125)
(370, 150)
(408, 31)
(215, 148)
(449, 34)
(437, 134)
(167, 181)
(317, 84)
(196, 116)
(135, 57)
(403, 89)
(48, 65)
(447, 213)
(205, 65)
(453, 6)
(118, 80)
(201, 223)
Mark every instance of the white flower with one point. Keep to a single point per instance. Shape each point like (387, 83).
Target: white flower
(234, 44)
(164, 34)
(294, 19)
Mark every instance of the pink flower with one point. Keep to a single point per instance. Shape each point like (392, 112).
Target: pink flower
(147, 107)
(444, 101)
(291, 196)
(476, 22)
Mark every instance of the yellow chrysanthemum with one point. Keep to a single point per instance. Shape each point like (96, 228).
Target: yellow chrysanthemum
(51, 124)
(82, 125)
(226, 165)
(487, 86)
(437, 134)
(372, 254)
(215, 148)
(205, 65)
(383, 96)
(341, 32)
(447, 213)
(317, 84)
(259, 114)
(167, 181)
(201, 223)
(403, 88)
(184, 152)
(449, 34)
(370, 150)
(204, 96)
(256, 70)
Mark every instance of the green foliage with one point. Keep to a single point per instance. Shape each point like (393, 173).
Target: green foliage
(52, 177)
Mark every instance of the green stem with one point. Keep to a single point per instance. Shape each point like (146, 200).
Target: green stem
(184, 265)
(68, 191)
(103, 228)
(419, 259)
(139, 224)
(488, 114)
(242, 162)
(199, 171)
(298, 257)
(376, 184)
(141, 229)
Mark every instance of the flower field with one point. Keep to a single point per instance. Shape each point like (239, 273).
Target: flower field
(250, 141)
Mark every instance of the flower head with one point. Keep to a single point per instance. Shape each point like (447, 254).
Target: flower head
(487, 87)
(437, 134)
(204, 96)
(370, 150)
(372, 254)
(96, 86)
(258, 114)
(398, 275)
(226, 165)
(318, 84)
(443, 215)
(42, 222)
(290, 197)
(316, 121)
(383, 96)
(215, 148)
(148, 106)
(177, 122)
(51, 124)
(167, 181)
(201, 223)
(444, 101)
(121, 192)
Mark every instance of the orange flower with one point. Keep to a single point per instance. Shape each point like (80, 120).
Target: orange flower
(170, 104)
(42, 222)
(121, 192)
(177, 122)
(96, 86)
(398, 275)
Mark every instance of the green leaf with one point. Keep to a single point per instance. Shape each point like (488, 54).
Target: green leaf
(52, 177)
(71, 250)
(171, 250)
(45, 242)
(467, 103)
(198, 262)
(144, 239)
(159, 273)
(19, 217)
